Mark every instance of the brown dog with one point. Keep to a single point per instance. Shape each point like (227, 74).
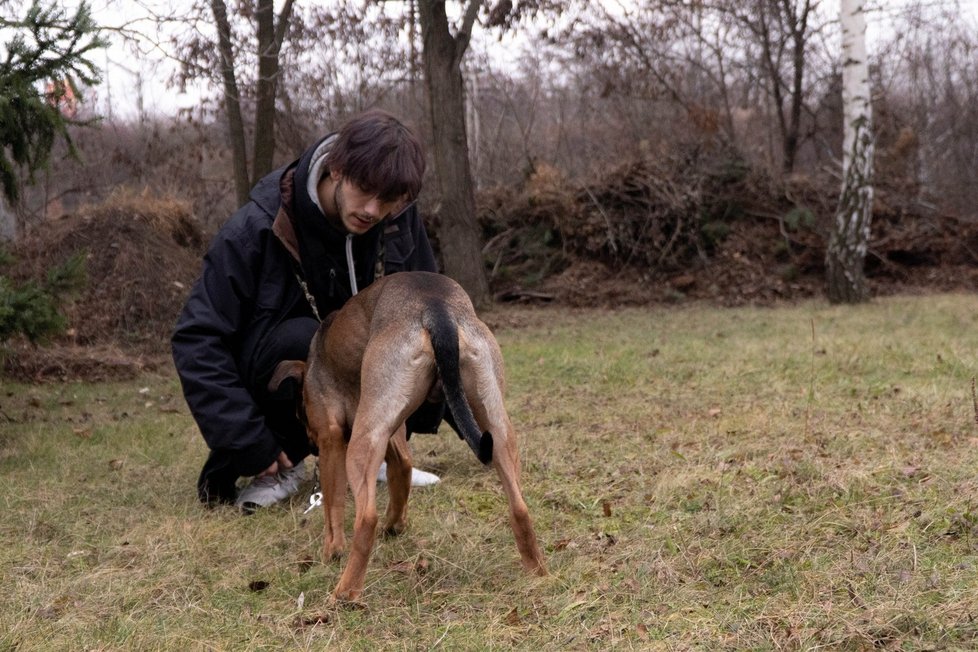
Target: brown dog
(370, 366)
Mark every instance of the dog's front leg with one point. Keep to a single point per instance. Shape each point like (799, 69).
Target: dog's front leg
(332, 478)
(364, 455)
(398, 482)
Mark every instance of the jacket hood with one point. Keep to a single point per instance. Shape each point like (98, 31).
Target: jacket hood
(322, 246)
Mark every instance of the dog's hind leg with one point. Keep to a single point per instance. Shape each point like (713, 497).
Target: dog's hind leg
(364, 455)
(396, 376)
(483, 381)
(398, 482)
(505, 459)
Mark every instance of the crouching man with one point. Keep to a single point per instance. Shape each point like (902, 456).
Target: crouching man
(312, 235)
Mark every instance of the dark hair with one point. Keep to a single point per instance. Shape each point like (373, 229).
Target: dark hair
(380, 154)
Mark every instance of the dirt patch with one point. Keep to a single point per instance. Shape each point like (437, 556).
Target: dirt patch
(66, 362)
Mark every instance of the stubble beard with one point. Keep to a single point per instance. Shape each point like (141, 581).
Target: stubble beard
(339, 201)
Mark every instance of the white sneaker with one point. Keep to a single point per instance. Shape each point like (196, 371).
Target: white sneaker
(270, 489)
(419, 478)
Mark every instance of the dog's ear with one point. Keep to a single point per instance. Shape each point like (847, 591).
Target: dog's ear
(329, 320)
(295, 369)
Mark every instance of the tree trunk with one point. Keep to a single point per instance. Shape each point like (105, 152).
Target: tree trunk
(458, 232)
(232, 102)
(264, 151)
(270, 38)
(846, 253)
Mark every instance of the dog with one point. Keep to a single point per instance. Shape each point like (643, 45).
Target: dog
(403, 340)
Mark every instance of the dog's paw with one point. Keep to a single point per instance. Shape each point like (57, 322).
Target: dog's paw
(395, 530)
(347, 600)
(333, 552)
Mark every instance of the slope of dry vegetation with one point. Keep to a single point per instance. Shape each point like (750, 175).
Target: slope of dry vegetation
(142, 254)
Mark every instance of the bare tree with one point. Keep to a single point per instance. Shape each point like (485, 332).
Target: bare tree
(232, 102)
(269, 41)
(849, 238)
(780, 31)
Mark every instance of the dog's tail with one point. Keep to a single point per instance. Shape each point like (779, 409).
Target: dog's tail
(443, 332)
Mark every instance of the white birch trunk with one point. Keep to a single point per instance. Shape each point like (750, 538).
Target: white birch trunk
(849, 238)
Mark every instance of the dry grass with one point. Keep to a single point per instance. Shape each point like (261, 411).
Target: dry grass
(700, 479)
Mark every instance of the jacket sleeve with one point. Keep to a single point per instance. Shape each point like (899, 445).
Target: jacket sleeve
(423, 259)
(208, 333)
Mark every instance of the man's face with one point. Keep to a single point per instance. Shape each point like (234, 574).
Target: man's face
(360, 210)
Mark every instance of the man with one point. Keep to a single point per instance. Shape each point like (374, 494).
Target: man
(313, 234)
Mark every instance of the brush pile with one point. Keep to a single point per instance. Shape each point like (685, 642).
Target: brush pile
(702, 224)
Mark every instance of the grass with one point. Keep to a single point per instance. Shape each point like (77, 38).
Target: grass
(700, 479)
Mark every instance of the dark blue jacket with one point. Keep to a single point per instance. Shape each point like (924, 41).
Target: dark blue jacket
(248, 285)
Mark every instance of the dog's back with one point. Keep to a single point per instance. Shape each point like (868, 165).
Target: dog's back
(417, 320)
(438, 307)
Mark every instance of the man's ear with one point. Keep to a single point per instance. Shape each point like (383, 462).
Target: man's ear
(336, 175)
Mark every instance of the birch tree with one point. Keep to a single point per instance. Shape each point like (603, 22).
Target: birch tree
(849, 238)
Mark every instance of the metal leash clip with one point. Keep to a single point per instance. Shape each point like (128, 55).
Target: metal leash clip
(315, 500)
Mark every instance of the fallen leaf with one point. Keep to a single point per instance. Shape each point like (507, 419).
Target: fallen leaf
(301, 600)
(115, 465)
(642, 631)
(512, 618)
(311, 621)
(606, 508)
(406, 566)
(83, 433)
(421, 566)
(714, 412)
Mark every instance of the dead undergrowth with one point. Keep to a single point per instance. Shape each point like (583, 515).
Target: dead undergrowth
(697, 224)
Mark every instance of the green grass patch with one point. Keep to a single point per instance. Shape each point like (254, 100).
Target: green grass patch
(699, 478)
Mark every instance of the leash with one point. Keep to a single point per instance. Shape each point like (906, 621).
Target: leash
(316, 497)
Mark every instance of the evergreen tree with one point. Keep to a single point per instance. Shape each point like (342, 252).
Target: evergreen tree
(44, 60)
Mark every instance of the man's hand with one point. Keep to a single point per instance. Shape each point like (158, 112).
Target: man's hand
(281, 464)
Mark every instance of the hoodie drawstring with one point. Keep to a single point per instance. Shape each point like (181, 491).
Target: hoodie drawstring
(349, 264)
